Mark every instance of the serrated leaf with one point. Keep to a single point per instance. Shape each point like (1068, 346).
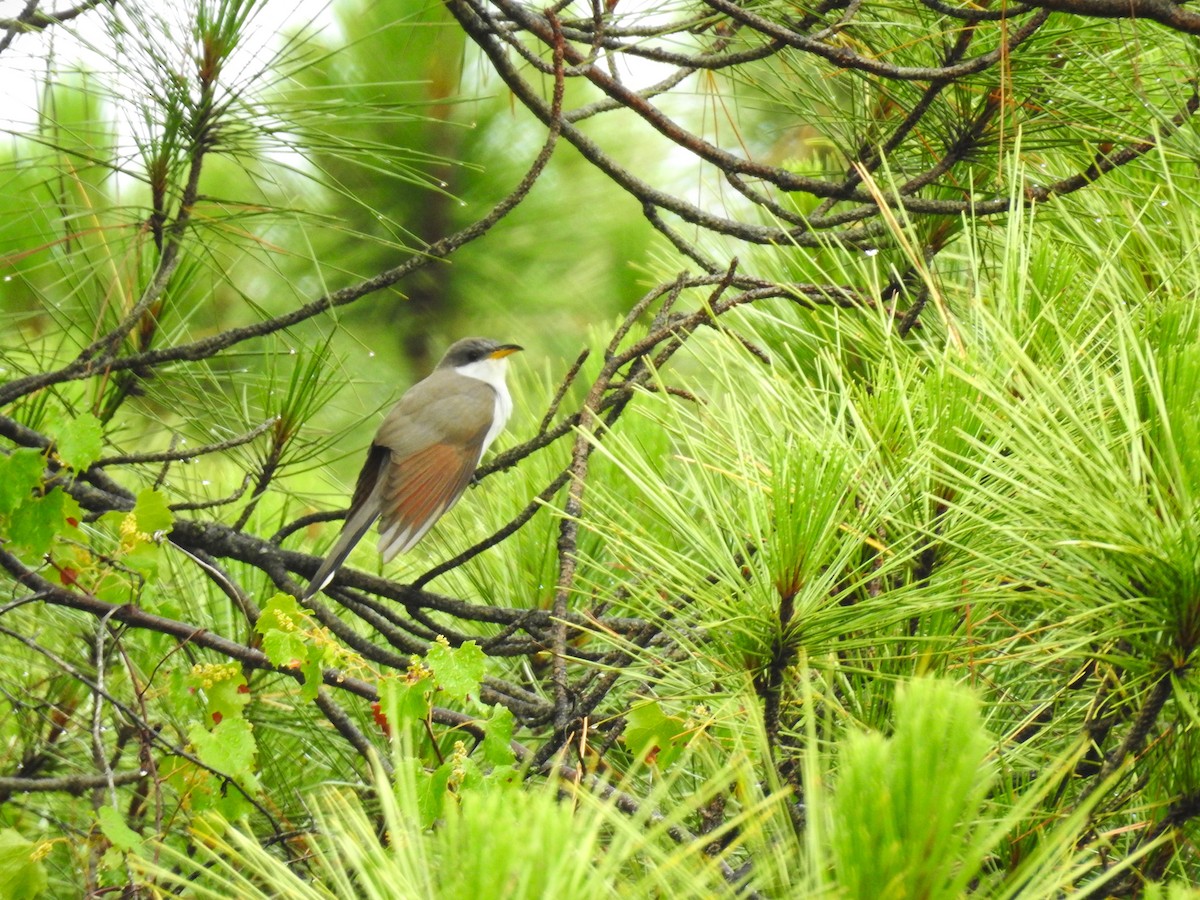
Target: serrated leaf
(114, 827)
(431, 794)
(457, 670)
(225, 689)
(652, 735)
(144, 558)
(20, 472)
(114, 587)
(497, 739)
(283, 624)
(152, 513)
(72, 515)
(229, 747)
(233, 805)
(22, 875)
(36, 522)
(405, 701)
(80, 442)
(285, 649)
(281, 611)
(313, 674)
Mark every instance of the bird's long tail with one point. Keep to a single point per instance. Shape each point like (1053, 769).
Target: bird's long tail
(364, 510)
(352, 532)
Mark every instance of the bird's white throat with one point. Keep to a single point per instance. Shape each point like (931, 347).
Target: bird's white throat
(491, 371)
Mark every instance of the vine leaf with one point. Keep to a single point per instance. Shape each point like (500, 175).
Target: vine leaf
(288, 641)
(229, 748)
(22, 875)
(113, 826)
(80, 442)
(152, 512)
(458, 671)
(36, 521)
(20, 474)
(653, 735)
(497, 741)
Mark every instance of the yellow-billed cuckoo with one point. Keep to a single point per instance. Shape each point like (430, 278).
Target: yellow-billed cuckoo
(425, 452)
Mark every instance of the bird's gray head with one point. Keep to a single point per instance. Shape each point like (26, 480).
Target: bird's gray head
(475, 349)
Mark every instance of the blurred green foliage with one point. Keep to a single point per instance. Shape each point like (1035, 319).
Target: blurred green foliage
(855, 610)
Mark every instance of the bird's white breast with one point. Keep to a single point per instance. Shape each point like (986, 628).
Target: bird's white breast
(492, 371)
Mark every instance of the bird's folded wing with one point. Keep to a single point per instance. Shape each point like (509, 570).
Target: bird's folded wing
(418, 489)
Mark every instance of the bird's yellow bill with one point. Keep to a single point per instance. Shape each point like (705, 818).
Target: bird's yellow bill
(506, 350)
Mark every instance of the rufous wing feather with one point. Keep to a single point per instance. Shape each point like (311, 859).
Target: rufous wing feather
(418, 490)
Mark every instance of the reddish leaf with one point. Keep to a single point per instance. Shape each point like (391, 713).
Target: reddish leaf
(381, 719)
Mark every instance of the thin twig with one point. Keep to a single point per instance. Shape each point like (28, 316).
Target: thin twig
(561, 392)
(192, 453)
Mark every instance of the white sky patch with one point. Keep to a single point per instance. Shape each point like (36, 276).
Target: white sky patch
(84, 43)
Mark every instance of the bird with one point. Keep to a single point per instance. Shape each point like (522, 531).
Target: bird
(426, 451)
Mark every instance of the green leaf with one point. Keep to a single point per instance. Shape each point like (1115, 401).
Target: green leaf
(457, 774)
(224, 687)
(152, 513)
(458, 671)
(22, 875)
(113, 825)
(431, 791)
(229, 748)
(144, 558)
(20, 472)
(284, 625)
(405, 700)
(80, 442)
(281, 611)
(312, 669)
(497, 740)
(36, 522)
(290, 650)
(285, 649)
(652, 735)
